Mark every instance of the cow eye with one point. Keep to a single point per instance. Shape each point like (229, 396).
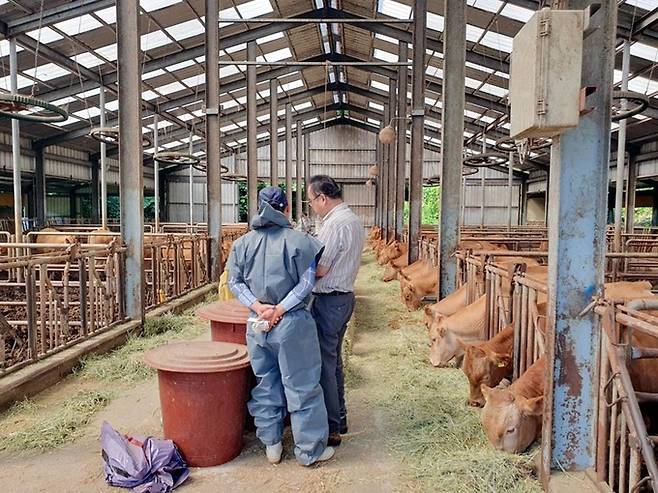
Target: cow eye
(511, 430)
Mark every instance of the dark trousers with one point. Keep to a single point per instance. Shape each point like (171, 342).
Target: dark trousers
(331, 314)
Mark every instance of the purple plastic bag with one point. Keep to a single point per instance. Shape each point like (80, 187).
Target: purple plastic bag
(147, 465)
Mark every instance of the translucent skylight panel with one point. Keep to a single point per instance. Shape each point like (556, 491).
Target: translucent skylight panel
(435, 22)
(479, 67)
(385, 55)
(148, 95)
(109, 52)
(486, 119)
(373, 121)
(640, 117)
(432, 123)
(255, 8)
(379, 85)
(471, 114)
(473, 33)
(2, 2)
(186, 29)
(195, 80)
(311, 120)
(109, 15)
(68, 121)
(45, 35)
(63, 101)
(228, 70)
(88, 60)
(495, 90)
(262, 135)
(517, 13)
(278, 55)
(335, 98)
(332, 77)
(152, 40)
(88, 113)
(644, 51)
(271, 37)
(228, 128)
(375, 106)
(152, 74)
(87, 94)
(151, 5)
(472, 83)
(430, 101)
(169, 145)
(643, 4)
(185, 117)
(616, 77)
(4, 48)
(643, 85)
(21, 82)
(46, 72)
(112, 105)
(289, 86)
(161, 124)
(489, 5)
(395, 9)
(170, 88)
(434, 71)
(81, 24)
(302, 106)
(504, 75)
(497, 41)
(233, 49)
(386, 38)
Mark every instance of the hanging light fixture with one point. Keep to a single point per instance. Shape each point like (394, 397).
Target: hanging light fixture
(373, 170)
(387, 134)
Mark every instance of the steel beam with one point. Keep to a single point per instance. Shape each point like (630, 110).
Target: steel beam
(156, 173)
(417, 124)
(40, 187)
(252, 136)
(391, 188)
(631, 184)
(452, 138)
(69, 10)
(288, 158)
(621, 151)
(16, 150)
(130, 157)
(379, 192)
(94, 186)
(274, 134)
(103, 162)
(298, 171)
(510, 181)
(307, 170)
(384, 171)
(577, 244)
(213, 153)
(401, 158)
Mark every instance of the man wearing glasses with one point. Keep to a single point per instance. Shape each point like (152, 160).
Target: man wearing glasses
(343, 235)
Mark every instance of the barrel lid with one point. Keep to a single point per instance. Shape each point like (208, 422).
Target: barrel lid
(230, 311)
(198, 357)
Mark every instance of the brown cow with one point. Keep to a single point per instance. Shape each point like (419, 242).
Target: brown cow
(394, 266)
(46, 236)
(467, 324)
(512, 414)
(487, 363)
(447, 306)
(392, 250)
(101, 239)
(424, 283)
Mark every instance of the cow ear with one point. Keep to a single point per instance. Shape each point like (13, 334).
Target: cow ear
(501, 360)
(532, 407)
(486, 391)
(428, 310)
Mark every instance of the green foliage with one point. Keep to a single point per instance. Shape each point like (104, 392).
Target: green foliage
(243, 206)
(430, 210)
(114, 208)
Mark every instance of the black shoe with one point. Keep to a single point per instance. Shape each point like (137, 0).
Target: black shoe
(334, 440)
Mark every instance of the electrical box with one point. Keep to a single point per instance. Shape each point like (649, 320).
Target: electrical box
(545, 74)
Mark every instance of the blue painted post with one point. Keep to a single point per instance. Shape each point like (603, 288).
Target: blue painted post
(452, 131)
(577, 243)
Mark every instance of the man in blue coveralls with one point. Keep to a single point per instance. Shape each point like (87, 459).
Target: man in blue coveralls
(272, 271)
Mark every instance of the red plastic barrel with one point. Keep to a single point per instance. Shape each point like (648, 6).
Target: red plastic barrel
(228, 320)
(203, 391)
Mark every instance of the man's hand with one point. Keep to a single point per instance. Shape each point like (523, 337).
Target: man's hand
(262, 309)
(274, 316)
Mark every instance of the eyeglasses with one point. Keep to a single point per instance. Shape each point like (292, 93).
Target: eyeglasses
(313, 199)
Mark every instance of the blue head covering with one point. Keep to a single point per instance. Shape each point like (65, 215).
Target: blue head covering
(273, 196)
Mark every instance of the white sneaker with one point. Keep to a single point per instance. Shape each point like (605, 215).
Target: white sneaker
(326, 455)
(274, 452)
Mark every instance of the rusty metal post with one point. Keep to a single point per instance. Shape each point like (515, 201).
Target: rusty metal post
(274, 133)
(103, 160)
(417, 127)
(401, 162)
(130, 156)
(40, 186)
(16, 150)
(156, 175)
(252, 137)
(452, 131)
(578, 198)
(621, 150)
(383, 173)
(289, 158)
(510, 185)
(392, 166)
(299, 170)
(307, 168)
(631, 184)
(213, 154)
(379, 196)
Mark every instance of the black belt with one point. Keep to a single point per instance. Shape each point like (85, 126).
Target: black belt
(333, 293)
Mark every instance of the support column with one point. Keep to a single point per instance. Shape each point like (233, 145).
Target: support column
(379, 196)
(385, 168)
(307, 168)
(510, 185)
(103, 161)
(289, 157)
(40, 187)
(401, 161)
(299, 171)
(452, 135)
(130, 156)
(95, 214)
(156, 173)
(252, 123)
(191, 186)
(417, 127)
(16, 149)
(576, 257)
(631, 185)
(621, 149)
(392, 164)
(274, 134)
(213, 153)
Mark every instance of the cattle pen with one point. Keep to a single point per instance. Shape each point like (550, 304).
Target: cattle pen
(500, 155)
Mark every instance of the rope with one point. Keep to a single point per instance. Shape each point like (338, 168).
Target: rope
(36, 51)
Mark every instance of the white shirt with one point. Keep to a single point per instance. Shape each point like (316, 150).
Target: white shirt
(343, 236)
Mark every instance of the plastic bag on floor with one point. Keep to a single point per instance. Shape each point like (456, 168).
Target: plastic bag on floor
(147, 465)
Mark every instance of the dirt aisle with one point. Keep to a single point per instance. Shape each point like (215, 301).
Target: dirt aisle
(362, 462)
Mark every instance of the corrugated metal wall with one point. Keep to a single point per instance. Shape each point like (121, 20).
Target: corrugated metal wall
(178, 206)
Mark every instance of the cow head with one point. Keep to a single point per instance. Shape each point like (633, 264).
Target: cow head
(443, 343)
(511, 422)
(483, 366)
(410, 298)
(429, 316)
(390, 273)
